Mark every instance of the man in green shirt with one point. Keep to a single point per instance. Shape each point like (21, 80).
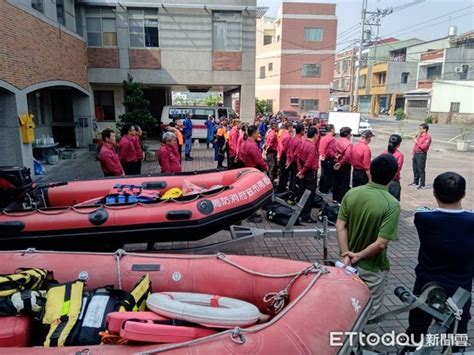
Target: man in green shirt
(367, 221)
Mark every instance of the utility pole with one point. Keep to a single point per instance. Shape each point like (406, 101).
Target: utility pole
(355, 101)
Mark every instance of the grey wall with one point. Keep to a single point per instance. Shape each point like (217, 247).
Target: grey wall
(456, 57)
(10, 139)
(394, 76)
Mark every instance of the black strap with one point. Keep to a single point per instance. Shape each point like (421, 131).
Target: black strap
(26, 298)
(64, 318)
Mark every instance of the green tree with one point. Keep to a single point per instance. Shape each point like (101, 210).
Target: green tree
(212, 100)
(136, 107)
(261, 107)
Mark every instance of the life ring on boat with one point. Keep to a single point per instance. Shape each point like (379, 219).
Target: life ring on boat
(209, 310)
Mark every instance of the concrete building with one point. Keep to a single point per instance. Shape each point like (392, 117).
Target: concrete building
(385, 76)
(295, 56)
(43, 71)
(343, 77)
(64, 61)
(450, 67)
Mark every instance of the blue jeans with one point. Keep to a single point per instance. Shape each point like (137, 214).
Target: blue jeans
(188, 144)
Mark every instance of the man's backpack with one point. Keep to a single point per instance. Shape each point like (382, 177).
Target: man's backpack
(279, 214)
(330, 211)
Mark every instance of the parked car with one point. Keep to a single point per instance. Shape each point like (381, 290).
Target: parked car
(363, 126)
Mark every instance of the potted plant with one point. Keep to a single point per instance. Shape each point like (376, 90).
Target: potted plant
(464, 142)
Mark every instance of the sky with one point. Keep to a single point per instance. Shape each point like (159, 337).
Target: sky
(427, 20)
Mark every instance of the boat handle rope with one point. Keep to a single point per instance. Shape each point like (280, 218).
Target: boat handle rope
(237, 334)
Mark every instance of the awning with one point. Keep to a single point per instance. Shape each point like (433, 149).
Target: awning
(152, 4)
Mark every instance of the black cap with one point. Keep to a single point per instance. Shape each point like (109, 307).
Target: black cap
(367, 134)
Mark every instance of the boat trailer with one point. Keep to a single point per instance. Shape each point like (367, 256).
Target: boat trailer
(240, 235)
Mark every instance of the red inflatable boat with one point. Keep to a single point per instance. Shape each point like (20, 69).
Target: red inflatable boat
(320, 300)
(80, 215)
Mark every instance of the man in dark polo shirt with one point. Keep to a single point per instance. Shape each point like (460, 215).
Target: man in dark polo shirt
(446, 254)
(367, 222)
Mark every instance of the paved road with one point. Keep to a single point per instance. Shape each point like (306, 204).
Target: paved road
(440, 133)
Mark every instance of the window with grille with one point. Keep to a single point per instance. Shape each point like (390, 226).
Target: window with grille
(313, 34)
(294, 101)
(455, 106)
(143, 28)
(37, 5)
(434, 72)
(418, 103)
(101, 27)
(227, 31)
(270, 66)
(267, 39)
(309, 104)
(262, 72)
(312, 70)
(404, 79)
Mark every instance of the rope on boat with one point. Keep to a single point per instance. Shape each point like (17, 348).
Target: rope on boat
(238, 334)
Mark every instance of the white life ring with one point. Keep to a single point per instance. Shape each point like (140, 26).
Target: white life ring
(209, 310)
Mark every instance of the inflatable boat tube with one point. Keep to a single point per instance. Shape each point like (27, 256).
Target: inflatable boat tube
(162, 331)
(209, 310)
(116, 319)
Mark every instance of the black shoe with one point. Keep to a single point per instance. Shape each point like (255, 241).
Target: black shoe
(187, 159)
(413, 184)
(421, 187)
(190, 158)
(308, 220)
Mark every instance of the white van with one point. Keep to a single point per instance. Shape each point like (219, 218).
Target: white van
(200, 115)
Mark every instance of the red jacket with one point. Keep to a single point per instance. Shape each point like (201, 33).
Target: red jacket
(168, 157)
(233, 141)
(398, 155)
(271, 140)
(128, 149)
(343, 151)
(283, 143)
(308, 159)
(138, 148)
(361, 156)
(294, 146)
(326, 146)
(109, 160)
(422, 143)
(240, 141)
(251, 155)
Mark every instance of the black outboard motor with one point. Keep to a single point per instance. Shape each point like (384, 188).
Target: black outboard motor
(15, 183)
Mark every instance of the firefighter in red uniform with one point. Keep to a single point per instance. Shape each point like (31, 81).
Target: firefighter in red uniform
(249, 153)
(283, 144)
(233, 143)
(128, 150)
(327, 153)
(360, 158)
(271, 148)
(308, 163)
(293, 153)
(109, 160)
(342, 175)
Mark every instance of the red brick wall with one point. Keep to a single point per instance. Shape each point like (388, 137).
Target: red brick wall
(432, 55)
(145, 58)
(103, 57)
(231, 61)
(308, 8)
(32, 51)
(425, 84)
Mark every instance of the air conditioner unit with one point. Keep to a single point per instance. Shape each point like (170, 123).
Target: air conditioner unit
(458, 69)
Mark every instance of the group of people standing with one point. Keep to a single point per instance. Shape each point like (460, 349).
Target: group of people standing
(124, 158)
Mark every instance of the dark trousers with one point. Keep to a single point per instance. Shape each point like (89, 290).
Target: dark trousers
(342, 180)
(307, 183)
(419, 165)
(395, 189)
(284, 174)
(272, 164)
(180, 151)
(132, 168)
(359, 177)
(293, 170)
(220, 157)
(326, 183)
(419, 321)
